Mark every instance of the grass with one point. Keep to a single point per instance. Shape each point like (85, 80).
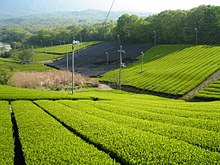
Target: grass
(15, 66)
(41, 55)
(171, 69)
(62, 49)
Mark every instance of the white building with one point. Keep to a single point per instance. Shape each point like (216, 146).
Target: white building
(4, 47)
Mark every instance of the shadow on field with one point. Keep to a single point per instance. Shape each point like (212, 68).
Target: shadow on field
(93, 62)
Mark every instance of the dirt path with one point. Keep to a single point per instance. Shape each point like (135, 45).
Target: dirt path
(210, 80)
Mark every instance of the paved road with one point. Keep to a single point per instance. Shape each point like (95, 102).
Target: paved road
(93, 60)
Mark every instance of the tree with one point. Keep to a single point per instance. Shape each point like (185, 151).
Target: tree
(5, 75)
(26, 54)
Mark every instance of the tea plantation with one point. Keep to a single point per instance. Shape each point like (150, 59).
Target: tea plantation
(170, 69)
(212, 92)
(106, 127)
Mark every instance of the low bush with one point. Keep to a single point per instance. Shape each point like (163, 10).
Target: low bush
(5, 75)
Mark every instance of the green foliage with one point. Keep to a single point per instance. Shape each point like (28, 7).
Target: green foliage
(6, 137)
(171, 69)
(5, 55)
(172, 27)
(129, 145)
(15, 34)
(16, 45)
(26, 54)
(5, 75)
(45, 141)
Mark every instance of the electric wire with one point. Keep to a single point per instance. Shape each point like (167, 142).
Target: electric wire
(113, 2)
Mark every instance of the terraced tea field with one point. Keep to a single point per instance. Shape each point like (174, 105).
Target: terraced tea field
(212, 92)
(170, 69)
(106, 127)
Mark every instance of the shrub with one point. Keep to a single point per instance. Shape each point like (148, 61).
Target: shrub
(5, 75)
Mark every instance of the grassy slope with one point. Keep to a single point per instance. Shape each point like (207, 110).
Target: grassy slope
(15, 66)
(40, 55)
(172, 69)
(62, 49)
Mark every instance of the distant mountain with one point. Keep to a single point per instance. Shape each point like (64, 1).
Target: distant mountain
(63, 18)
(26, 7)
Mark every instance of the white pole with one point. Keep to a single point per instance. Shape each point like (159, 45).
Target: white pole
(67, 59)
(155, 38)
(107, 57)
(196, 35)
(32, 48)
(73, 67)
(120, 52)
(120, 67)
(142, 61)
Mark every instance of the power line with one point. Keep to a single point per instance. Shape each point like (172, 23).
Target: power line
(113, 2)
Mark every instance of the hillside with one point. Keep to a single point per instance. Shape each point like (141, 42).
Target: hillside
(170, 69)
(26, 17)
(92, 61)
(40, 56)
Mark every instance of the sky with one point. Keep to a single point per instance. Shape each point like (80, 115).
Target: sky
(154, 6)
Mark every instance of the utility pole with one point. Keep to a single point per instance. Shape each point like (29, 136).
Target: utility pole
(81, 37)
(196, 30)
(73, 66)
(73, 70)
(107, 58)
(155, 38)
(32, 49)
(142, 61)
(67, 59)
(120, 67)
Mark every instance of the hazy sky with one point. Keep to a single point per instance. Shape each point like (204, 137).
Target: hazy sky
(147, 5)
(137, 5)
(120, 5)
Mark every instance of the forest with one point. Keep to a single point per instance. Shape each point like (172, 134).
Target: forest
(199, 25)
